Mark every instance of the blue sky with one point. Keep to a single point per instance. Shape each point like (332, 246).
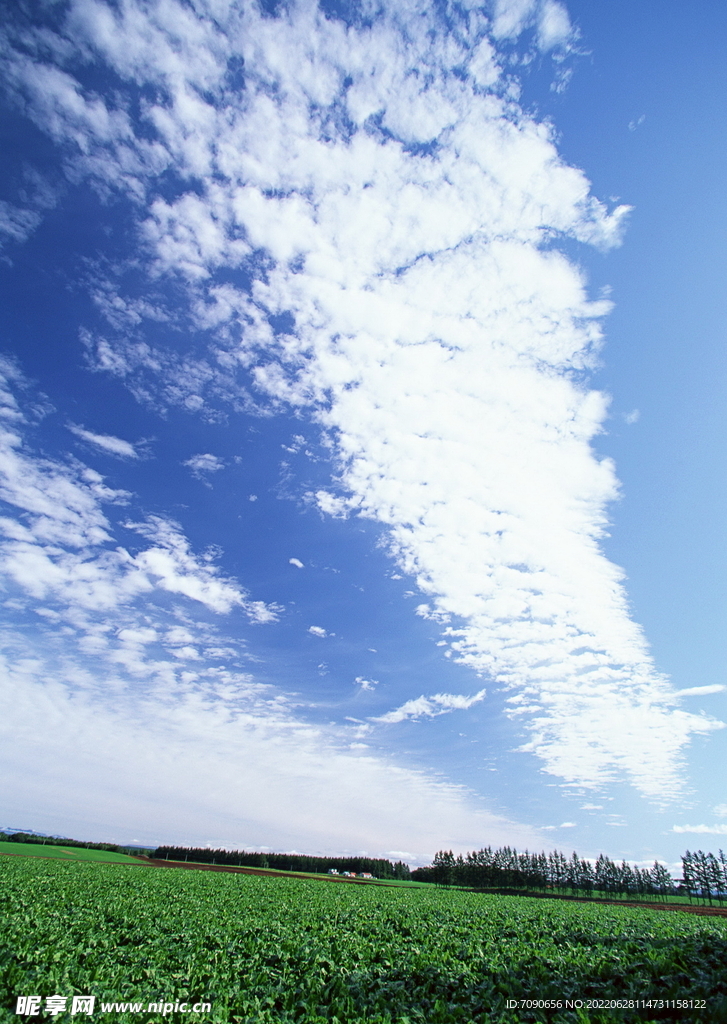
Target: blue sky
(363, 425)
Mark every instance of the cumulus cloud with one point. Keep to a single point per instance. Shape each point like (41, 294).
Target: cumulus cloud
(296, 562)
(554, 27)
(430, 707)
(390, 202)
(550, 18)
(318, 631)
(202, 464)
(105, 442)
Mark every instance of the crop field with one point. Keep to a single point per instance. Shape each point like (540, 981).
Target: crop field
(65, 853)
(272, 950)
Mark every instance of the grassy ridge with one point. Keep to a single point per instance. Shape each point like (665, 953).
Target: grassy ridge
(66, 853)
(281, 950)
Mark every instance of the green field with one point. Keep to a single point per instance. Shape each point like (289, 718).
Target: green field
(66, 853)
(272, 950)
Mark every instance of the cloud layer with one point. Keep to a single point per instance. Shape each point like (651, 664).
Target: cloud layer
(126, 700)
(397, 216)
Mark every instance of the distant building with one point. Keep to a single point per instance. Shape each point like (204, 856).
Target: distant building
(333, 871)
(365, 874)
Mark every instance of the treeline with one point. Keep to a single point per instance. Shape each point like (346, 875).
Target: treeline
(379, 868)
(30, 837)
(505, 868)
(705, 876)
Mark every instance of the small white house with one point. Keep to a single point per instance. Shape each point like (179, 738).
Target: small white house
(333, 871)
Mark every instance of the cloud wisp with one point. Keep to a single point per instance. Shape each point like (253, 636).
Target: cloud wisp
(431, 707)
(397, 214)
(105, 442)
(705, 830)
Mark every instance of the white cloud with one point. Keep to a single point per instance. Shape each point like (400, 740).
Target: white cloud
(700, 691)
(18, 220)
(201, 464)
(175, 568)
(632, 417)
(60, 547)
(710, 830)
(721, 810)
(106, 442)
(331, 505)
(366, 684)
(17, 223)
(409, 218)
(186, 653)
(296, 562)
(61, 503)
(554, 27)
(430, 707)
(511, 17)
(318, 631)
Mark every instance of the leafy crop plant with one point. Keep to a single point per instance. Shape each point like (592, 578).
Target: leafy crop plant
(279, 950)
